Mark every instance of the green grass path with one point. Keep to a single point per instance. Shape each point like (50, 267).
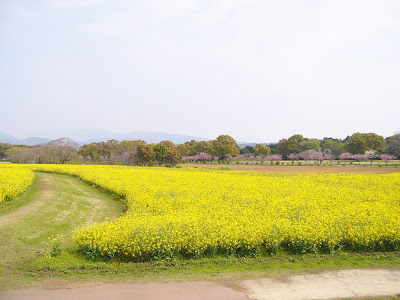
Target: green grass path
(54, 206)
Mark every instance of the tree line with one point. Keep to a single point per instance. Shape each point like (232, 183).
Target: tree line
(223, 148)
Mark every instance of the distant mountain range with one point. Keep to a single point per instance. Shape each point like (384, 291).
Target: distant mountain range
(98, 135)
(87, 136)
(9, 139)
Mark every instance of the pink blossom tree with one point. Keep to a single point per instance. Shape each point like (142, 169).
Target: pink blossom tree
(370, 155)
(387, 157)
(317, 155)
(345, 156)
(293, 157)
(274, 157)
(242, 157)
(359, 157)
(330, 157)
(188, 157)
(202, 156)
(306, 155)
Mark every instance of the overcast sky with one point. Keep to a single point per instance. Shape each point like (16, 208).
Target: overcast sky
(258, 70)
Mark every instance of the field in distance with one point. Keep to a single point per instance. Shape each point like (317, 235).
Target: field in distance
(301, 169)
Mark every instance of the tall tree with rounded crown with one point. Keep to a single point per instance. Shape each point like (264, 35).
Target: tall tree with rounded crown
(223, 146)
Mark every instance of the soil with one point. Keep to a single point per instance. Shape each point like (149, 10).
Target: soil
(325, 285)
(303, 169)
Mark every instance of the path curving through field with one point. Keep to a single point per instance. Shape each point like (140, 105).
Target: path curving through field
(63, 204)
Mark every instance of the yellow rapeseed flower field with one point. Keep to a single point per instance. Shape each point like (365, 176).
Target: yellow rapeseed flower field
(13, 181)
(194, 212)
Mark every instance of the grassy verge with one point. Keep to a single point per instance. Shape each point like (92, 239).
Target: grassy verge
(60, 203)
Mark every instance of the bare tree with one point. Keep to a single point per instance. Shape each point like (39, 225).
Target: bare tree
(62, 150)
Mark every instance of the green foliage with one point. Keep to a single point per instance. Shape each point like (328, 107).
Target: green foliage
(361, 142)
(160, 151)
(223, 146)
(334, 146)
(309, 144)
(173, 157)
(282, 147)
(202, 146)
(247, 150)
(183, 149)
(145, 155)
(294, 143)
(262, 150)
(291, 145)
(95, 150)
(4, 147)
(393, 145)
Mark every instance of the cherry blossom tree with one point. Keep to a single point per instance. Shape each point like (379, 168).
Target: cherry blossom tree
(202, 157)
(330, 157)
(370, 155)
(274, 157)
(387, 157)
(306, 155)
(293, 157)
(359, 157)
(345, 156)
(317, 155)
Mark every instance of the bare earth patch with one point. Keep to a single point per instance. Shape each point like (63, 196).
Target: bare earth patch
(302, 169)
(326, 285)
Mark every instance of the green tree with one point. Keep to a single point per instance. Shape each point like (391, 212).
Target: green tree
(223, 146)
(262, 151)
(309, 144)
(202, 146)
(126, 152)
(282, 147)
(190, 145)
(393, 144)
(3, 149)
(294, 143)
(168, 144)
(172, 157)
(160, 151)
(331, 145)
(361, 142)
(183, 149)
(375, 142)
(145, 155)
(247, 150)
(96, 151)
(356, 144)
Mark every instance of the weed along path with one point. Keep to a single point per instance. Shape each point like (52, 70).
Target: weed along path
(58, 204)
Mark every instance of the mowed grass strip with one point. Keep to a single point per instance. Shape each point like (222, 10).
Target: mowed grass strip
(53, 208)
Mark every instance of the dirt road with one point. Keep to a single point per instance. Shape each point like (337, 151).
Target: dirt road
(326, 285)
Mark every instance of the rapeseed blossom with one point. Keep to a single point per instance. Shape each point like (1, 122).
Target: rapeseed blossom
(193, 212)
(14, 181)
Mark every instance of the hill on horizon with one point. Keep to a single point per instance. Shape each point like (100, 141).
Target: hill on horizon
(98, 135)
